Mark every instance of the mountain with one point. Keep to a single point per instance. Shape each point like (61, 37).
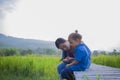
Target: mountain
(13, 42)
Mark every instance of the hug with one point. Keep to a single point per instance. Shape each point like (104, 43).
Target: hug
(76, 56)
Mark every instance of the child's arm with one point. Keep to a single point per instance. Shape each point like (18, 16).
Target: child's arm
(72, 63)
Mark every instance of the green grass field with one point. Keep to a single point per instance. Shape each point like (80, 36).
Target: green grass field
(108, 60)
(28, 68)
(41, 67)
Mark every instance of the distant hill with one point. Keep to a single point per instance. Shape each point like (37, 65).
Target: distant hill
(13, 42)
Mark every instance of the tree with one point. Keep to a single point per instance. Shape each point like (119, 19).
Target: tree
(95, 53)
(25, 51)
(9, 52)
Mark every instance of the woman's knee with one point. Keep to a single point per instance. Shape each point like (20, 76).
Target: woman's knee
(61, 65)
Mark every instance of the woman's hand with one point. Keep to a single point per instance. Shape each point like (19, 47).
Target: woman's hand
(65, 60)
(70, 58)
(68, 65)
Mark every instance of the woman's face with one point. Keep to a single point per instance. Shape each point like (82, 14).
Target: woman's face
(65, 46)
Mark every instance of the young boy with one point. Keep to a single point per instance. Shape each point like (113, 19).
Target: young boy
(82, 55)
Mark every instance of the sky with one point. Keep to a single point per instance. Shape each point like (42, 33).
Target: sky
(98, 21)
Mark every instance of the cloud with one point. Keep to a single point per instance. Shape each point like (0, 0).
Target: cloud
(5, 6)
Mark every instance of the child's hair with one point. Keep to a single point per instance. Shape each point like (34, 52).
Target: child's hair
(75, 36)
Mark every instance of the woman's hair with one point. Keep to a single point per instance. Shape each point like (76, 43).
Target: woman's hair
(75, 36)
(59, 41)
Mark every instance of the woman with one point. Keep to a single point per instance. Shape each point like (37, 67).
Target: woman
(67, 55)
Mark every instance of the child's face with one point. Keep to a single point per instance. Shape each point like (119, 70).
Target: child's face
(74, 43)
(65, 46)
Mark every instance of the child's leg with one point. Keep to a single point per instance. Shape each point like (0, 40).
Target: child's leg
(67, 73)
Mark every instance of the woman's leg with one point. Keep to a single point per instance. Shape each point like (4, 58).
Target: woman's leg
(60, 67)
(67, 73)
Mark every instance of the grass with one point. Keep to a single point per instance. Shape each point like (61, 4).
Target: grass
(28, 68)
(42, 67)
(86, 77)
(108, 60)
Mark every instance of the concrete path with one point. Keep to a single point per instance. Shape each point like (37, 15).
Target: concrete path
(98, 72)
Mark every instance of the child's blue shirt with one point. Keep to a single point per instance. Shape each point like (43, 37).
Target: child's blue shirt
(82, 54)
